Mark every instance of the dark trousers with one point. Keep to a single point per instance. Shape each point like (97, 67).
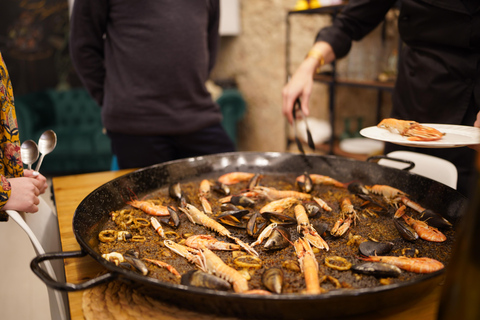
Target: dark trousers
(134, 151)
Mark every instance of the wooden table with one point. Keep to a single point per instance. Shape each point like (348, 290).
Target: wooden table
(69, 191)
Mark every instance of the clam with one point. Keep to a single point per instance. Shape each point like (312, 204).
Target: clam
(279, 239)
(202, 279)
(272, 279)
(372, 248)
(377, 269)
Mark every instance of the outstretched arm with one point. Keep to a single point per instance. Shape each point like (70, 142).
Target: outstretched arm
(301, 83)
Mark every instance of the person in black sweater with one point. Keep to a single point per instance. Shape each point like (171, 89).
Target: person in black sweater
(146, 63)
(439, 71)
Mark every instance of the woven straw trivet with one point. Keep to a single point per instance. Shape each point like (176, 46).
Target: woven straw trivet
(117, 301)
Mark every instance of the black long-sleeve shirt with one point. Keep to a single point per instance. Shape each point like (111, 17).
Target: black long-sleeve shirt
(146, 62)
(439, 73)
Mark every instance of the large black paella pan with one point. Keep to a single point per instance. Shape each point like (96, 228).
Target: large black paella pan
(95, 209)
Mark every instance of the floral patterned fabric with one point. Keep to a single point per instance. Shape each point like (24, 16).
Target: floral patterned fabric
(10, 160)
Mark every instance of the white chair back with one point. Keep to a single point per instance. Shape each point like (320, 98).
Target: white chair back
(435, 168)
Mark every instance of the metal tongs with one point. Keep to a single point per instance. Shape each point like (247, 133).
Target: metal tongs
(311, 144)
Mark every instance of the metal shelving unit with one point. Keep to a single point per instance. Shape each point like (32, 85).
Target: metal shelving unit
(331, 79)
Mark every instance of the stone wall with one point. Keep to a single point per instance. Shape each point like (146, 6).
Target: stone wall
(256, 59)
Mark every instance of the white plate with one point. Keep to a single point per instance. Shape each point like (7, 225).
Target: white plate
(455, 136)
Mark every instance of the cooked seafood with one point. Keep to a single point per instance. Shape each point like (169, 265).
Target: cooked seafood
(413, 130)
(249, 218)
(418, 265)
(272, 279)
(308, 265)
(423, 230)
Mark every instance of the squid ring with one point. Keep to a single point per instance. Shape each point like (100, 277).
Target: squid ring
(107, 235)
(337, 263)
(171, 235)
(141, 222)
(139, 239)
(332, 280)
(242, 261)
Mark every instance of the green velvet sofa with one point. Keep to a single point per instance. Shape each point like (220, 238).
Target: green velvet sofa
(75, 117)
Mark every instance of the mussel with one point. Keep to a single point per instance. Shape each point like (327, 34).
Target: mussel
(279, 218)
(312, 209)
(132, 257)
(202, 279)
(434, 219)
(405, 231)
(255, 181)
(173, 220)
(357, 188)
(305, 183)
(234, 218)
(175, 191)
(256, 224)
(221, 188)
(377, 269)
(242, 201)
(372, 248)
(272, 279)
(279, 239)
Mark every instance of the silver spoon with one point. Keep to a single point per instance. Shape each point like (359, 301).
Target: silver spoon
(46, 144)
(29, 153)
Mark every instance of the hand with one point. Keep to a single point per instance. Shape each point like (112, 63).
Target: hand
(24, 194)
(301, 83)
(37, 175)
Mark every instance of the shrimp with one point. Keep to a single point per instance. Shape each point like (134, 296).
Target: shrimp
(198, 217)
(417, 265)
(149, 208)
(413, 130)
(265, 234)
(157, 226)
(304, 227)
(209, 262)
(235, 177)
(308, 265)
(323, 180)
(349, 215)
(389, 193)
(423, 230)
(165, 265)
(206, 241)
(279, 206)
(274, 194)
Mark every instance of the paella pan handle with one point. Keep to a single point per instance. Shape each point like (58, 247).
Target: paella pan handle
(64, 286)
(378, 158)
